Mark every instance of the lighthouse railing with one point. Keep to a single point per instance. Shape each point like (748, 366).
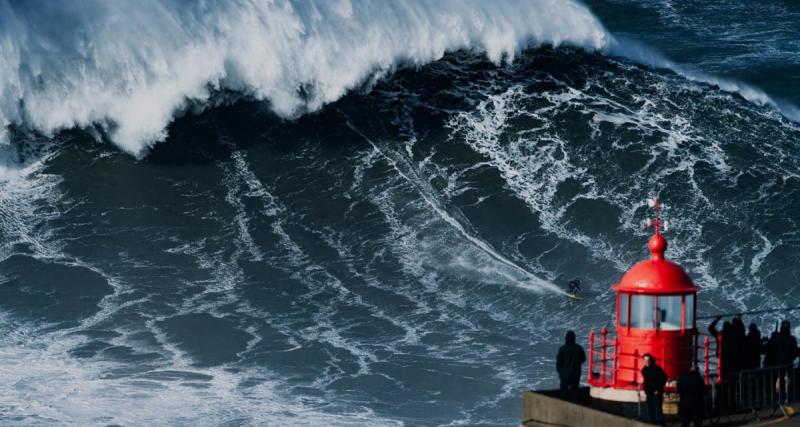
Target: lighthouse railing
(599, 372)
(591, 355)
(604, 360)
(758, 392)
(707, 350)
(607, 362)
(608, 365)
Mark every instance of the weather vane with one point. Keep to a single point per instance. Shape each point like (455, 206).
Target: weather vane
(657, 223)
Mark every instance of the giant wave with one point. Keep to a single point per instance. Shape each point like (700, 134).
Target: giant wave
(386, 260)
(129, 68)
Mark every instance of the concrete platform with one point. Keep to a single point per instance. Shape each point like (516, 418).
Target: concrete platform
(545, 409)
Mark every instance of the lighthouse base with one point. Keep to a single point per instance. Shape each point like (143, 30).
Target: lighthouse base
(609, 394)
(617, 394)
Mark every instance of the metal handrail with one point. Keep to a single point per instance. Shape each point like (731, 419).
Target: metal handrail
(753, 390)
(709, 352)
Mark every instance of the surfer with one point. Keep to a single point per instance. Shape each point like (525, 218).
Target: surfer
(573, 287)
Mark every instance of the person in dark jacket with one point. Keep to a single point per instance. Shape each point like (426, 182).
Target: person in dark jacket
(787, 348)
(568, 364)
(738, 339)
(753, 347)
(786, 353)
(771, 349)
(654, 381)
(725, 345)
(574, 286)
(692, 390)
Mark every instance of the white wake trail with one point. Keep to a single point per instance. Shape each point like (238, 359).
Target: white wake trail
(535, 283)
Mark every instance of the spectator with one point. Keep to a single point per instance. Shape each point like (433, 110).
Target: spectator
(753, 347)
(787, 348)
(654, 381)
(568, 364)
(771, 349)
(691, 390)
(786, 353)
(725, 347)
(737, 341)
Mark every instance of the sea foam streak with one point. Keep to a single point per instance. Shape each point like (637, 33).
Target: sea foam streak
(130, 67)
(629, 49)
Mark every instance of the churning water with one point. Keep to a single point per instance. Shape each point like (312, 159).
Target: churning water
(362, 212)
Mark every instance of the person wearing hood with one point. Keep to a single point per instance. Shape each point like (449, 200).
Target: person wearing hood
(568, 364)
(753, 348)
(786, 353)
(737, 341)
(788, 345)
(771, 349)
(726, 345)
(691, 389)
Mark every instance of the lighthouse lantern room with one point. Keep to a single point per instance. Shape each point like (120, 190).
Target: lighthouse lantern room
(655, 313)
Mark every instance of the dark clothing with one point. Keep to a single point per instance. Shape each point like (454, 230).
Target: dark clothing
(753, 349)
(771, 350)
(654, 378)
(568, 364)
(691, 389)
(736, 343)
(726, 347)
(655, 411)
(654, 381)
(574, 286)
(786, 353)
(569, 389)
(787, 349)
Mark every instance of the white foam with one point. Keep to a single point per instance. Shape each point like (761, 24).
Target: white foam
(55, 389)
(535, 160)
(27, 201)
(45, 385)
(533, 170)
(632, 50)
(243, 176)
(130, 67)
(522, 277)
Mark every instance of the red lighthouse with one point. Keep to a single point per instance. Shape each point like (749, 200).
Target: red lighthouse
(655, 313)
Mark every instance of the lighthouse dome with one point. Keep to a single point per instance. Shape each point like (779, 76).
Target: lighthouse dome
(656, 275)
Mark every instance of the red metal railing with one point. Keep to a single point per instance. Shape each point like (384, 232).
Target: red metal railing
(706, 358)
(604, 333)
(705, 352)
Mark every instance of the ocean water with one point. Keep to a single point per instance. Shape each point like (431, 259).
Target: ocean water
(363, 212)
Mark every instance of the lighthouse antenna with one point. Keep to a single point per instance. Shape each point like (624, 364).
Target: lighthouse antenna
(657, 223)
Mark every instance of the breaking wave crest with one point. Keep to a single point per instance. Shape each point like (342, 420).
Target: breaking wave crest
(632, 50)
(129, 68)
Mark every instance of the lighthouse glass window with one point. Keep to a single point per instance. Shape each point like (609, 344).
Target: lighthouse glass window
(669, 312)
(642, 311)
(622, 315)
(690, 311)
